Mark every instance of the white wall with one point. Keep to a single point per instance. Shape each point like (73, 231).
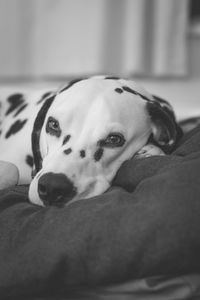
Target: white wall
(184, 94)
(17, 61)
(41, 38)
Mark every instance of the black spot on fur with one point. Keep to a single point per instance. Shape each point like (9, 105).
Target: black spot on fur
(15, 101)
(29, 160)
(144, 97)
(15, 127)
(20, 109)
(72, 82)
(66, 139)
(47, 94)
(67, 151)
(129, 90)
(82, 153)
(98, 154)
(112, 77)
(118, 90)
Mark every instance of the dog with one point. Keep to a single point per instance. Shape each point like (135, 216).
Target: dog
(69, 144)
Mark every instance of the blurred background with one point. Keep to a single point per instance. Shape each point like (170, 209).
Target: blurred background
(155, 42)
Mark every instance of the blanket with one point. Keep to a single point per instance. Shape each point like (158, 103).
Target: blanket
(146, 224)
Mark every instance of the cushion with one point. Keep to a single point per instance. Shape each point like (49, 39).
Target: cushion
(147, 224)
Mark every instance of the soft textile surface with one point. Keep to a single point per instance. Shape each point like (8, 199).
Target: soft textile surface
(147, 224)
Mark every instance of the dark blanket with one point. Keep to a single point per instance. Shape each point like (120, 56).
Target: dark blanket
(147, 224)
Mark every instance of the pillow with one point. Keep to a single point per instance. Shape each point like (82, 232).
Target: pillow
(146, 224)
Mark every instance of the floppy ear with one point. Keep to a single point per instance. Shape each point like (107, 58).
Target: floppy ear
(37, 127)
(165, 131)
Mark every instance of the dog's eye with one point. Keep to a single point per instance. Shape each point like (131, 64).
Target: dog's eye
(53, 124)
(53, 127)
(113, 140)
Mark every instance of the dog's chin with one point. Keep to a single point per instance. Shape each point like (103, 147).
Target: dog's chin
(35, 199)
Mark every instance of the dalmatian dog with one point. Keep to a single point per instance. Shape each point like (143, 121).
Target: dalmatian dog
(69, 144)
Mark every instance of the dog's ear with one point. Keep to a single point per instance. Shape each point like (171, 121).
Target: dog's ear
(35, 137)
(165, 130)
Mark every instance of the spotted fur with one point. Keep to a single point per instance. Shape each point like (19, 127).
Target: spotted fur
(82, 153)
(14, 101)
(87, 110)
(66, 139)
(98, 154)
(67, 151)
(15, 127)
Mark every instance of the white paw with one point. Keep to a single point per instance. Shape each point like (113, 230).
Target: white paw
(149, 150)
(9, 175)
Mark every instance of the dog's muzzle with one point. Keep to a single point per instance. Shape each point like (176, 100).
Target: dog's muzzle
(55, 189)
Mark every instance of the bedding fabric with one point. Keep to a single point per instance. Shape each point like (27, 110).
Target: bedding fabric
(147, 224)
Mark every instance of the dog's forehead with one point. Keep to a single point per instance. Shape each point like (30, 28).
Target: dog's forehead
(96, 107)
(101, 85)
(96, 113)
(88, 90)
(102, 94)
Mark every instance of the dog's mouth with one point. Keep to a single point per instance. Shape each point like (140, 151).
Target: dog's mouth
(56, 189)
(58, 201)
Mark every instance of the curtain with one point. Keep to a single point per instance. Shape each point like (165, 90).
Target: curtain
(64, 38)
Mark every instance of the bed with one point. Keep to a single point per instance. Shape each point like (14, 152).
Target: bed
(139, 240)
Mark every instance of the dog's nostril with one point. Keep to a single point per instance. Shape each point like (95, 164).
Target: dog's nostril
(42, 189)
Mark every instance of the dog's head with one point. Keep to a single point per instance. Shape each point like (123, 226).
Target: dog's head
(84, 133)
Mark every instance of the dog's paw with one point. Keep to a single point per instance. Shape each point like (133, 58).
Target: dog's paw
(149, 150)
(9, 175)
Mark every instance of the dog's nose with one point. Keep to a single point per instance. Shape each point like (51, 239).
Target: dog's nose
(55, 189)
